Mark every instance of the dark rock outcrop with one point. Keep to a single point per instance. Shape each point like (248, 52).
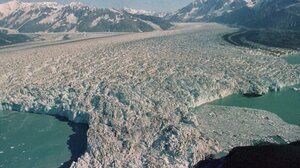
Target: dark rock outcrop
(265, 156)
(8, 39)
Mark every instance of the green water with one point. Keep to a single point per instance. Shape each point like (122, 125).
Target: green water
(33, 141)
(293, 59)
(285, 103)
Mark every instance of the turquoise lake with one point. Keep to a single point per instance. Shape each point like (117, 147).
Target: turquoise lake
(293, 59)
(285, 103)
(39, 141)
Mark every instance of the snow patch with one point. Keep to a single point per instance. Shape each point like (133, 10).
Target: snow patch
(139, 11)
(154, 26)
(52, 18)
(72, 18)
(250, 3)
(75, 5)
(96, 21)
(114, 10)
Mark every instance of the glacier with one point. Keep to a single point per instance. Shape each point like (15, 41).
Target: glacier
(138, 92)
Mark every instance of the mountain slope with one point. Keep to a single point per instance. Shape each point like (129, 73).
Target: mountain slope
(202, 10)
(8, 39)
(53, 17)
(281, 14)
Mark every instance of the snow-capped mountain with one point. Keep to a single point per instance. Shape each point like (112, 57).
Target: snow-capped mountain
(282, 14)
(203, 10)
(278, 14)
(54, 17)
(145, 12)
(139, 11)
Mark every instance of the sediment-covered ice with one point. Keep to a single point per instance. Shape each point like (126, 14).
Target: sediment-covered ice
(135, 91)
(234, 126)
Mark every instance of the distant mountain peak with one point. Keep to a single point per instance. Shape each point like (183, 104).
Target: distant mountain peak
(138, 11)
(144, 12)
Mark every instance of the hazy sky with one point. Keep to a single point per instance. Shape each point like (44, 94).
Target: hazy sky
(154, 5)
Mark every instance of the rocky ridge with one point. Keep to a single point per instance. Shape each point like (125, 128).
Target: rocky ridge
(136, 91)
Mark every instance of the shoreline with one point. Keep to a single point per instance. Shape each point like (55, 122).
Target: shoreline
(31, 139)
(77, 142)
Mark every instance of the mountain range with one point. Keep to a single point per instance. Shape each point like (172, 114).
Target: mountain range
(76, 17)
(278, 14)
